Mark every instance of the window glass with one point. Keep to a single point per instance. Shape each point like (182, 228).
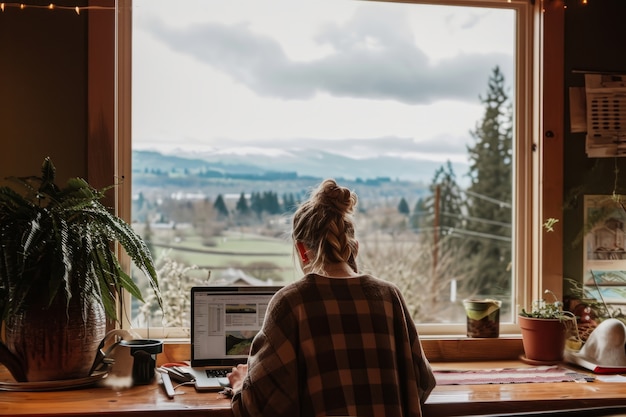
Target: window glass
(240, 107)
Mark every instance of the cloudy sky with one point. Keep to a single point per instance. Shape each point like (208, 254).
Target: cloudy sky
(360, 77)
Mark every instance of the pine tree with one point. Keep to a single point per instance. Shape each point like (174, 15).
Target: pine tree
(242, 205)
(445, 202)
(289, 203)
(489, 194)
(419, 212)
(220, 206)
(440, 218)
(403, 207)
(270, 202)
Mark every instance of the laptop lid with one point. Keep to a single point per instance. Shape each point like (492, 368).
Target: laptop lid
(224, 320)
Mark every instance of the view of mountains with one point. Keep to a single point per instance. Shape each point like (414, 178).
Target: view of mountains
(300, 163)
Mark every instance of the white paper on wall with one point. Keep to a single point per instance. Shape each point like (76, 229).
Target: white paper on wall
(606, 115)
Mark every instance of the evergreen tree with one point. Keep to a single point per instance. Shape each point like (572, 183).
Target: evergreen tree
(440, 217)
(419, 212)
(220, 206)
(270, 202)
(403, 207)
(289, 203)
(141, 199)
(445, 202)
(242, 205)
(489, 194)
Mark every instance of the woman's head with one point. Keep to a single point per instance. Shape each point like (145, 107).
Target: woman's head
(324, 225)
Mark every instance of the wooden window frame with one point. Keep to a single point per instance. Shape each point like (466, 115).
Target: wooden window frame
(109, 142)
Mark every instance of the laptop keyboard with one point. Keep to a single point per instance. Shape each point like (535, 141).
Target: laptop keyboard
(216, 373)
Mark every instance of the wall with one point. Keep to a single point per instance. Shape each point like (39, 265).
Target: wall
(594, 41)
(44, 110)
(43, 93)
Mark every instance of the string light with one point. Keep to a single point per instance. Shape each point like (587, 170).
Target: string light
(52, 6)
(564, 3)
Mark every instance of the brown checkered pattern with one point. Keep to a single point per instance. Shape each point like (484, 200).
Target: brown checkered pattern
(336, 347)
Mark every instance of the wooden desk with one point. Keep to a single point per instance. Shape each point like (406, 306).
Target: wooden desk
(452, 400)
(139, 401)
(503, 399)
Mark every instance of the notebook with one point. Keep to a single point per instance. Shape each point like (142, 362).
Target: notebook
(224, 320)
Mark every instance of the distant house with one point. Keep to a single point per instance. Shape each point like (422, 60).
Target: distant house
(235, 277)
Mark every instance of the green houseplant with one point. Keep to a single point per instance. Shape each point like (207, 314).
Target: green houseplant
(546, 331)
(59, 274)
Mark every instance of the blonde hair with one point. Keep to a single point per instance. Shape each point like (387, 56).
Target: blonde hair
(324, 224)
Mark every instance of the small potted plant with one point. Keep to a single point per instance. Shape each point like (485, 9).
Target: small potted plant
(546, 329)
(60, 275)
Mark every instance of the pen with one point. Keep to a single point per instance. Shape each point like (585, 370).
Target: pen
(167, 384)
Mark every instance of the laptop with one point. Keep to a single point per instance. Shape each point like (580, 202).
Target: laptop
(224, 320)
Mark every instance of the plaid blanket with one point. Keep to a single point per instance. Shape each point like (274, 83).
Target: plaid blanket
(336, 347)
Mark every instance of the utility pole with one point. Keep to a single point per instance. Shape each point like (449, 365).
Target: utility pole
(436, 230)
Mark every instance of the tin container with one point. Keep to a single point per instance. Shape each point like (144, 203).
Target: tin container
(483, 317)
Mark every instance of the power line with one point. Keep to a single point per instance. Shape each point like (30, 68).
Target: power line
(450, 231)
(502, 204)
(477, 219)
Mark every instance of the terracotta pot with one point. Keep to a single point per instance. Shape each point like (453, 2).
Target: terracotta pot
(543, 339)
(57, 342)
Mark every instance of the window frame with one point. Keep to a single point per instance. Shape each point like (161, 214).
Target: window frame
(526, 201)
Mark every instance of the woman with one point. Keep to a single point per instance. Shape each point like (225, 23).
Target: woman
(336, 342)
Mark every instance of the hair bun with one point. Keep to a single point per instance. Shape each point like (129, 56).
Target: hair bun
(338, 198)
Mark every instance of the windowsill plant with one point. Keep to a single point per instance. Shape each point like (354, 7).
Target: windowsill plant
(542, 309)
(547, 330)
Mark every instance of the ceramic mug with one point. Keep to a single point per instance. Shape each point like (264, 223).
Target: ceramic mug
(483, 317)
(130, 361)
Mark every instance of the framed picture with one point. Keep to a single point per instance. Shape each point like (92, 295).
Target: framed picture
(604, 274)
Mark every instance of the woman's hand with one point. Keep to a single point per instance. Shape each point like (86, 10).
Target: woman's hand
(237, 376)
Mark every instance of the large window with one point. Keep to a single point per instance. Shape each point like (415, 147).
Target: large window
(240, 107)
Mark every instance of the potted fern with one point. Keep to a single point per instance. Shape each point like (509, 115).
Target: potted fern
(546, 329)
(59, 275)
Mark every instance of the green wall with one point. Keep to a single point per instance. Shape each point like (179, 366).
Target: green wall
(595, 40)
(43, 93)
(43, 98)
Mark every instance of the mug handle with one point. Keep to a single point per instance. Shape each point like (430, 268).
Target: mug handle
(102, 360)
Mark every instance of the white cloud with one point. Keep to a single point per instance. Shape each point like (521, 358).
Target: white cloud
(374, 56)
(285, 70)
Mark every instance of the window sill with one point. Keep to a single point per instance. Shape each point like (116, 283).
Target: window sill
(436, 348)
(464, 349)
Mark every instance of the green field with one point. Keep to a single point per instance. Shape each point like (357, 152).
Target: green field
(232, 250)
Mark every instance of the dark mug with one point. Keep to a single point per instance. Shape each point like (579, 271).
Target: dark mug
(144, 352)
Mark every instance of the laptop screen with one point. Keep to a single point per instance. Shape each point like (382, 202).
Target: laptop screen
(224, 320)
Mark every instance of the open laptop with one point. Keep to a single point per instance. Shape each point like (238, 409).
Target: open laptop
(224, 320)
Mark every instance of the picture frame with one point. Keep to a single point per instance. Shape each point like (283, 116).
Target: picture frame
(604, 265)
